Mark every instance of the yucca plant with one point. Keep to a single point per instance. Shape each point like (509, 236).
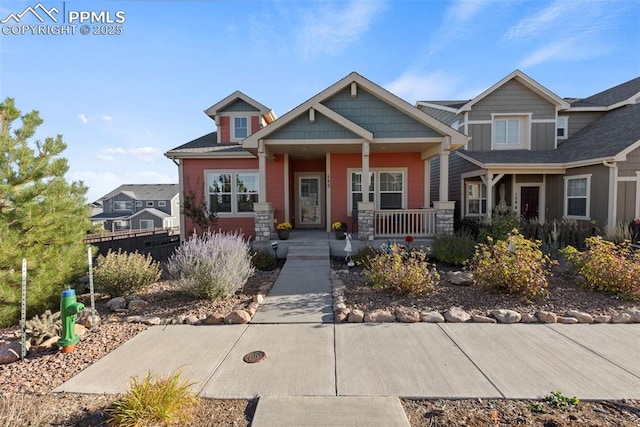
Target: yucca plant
(155, 400)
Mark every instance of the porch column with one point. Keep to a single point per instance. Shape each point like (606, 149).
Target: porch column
(366, 182)
(262, 172)
(366, 218)
(263, 221)
(445, 149)
(489, 184)
(327, 191)
(444, 217)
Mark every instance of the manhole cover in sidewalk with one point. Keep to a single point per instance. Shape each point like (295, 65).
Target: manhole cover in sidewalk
(255, 356)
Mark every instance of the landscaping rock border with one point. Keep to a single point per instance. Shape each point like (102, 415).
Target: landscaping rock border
(344, 313)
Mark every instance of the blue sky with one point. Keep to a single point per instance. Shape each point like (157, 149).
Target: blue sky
(121, 101)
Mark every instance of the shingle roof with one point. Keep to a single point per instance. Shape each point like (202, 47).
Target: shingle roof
(603, 138)
(451, 104)
(153, 211)
(206, 144)
(145, 191)
(611, 96)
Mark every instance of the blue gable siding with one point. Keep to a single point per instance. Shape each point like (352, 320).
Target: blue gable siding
(380, 118)
(322, 128)
(239, 105)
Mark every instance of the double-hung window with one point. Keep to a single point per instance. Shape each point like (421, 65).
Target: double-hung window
(121, 205)
(232, 192)
(576, 202)
(240, 127)
(510, 132)
(476, 199)
(562, 128)
(386, 189)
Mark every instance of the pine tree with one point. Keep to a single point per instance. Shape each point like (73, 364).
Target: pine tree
(43, 218)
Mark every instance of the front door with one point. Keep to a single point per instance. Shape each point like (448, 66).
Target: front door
(529, 202)
(309, 201)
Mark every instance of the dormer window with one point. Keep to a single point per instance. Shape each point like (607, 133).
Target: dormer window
(562, 127)
(240, 127)
(510, 132)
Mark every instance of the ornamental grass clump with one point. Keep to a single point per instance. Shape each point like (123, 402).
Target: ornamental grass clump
(515, 266)
(408, 272)
(155, 401)
(212, 266)
(454, 249)
(125, 273)
(607, 267)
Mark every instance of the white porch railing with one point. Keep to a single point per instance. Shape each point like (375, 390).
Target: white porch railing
(401, 222)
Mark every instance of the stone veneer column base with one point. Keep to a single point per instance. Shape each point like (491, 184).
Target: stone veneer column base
(444, 217)
(366, 229)
(263, 221)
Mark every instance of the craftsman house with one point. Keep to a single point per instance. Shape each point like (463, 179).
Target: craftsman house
(544, 156)
(353, 153)
(139, 206)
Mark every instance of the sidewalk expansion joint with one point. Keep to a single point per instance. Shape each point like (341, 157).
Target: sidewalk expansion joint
(224, 359)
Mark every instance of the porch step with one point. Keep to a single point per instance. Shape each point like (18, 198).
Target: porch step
(302, 292)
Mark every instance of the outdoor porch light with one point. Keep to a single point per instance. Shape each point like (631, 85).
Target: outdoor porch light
(274, 246)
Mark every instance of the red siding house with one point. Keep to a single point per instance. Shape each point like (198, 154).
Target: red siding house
(353, 153)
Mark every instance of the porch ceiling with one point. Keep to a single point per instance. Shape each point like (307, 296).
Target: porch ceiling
(318, 149)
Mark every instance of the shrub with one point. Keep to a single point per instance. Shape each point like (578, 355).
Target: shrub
(364, 254)
(405, 271)
(618, 233)
(515, 266)
(500, 225)
(454, 249)
(212, 266)
(607, 267)
(125, 273)
(155, 401)
(41, 328)
(262, 260)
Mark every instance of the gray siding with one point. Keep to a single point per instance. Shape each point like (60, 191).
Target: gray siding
(528, 178)
(480, 137)
(578, 120)
(434, 180)
(632, 165)
(513, 97)
(458, 166)
(108, 205)
(543, 136)
(377, 116)
(442, 115)
(322, 128)
(135, 222)
(626, 209)
(554, 197)
(239, 105)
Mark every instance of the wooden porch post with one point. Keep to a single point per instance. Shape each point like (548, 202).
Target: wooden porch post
(366, 181)
(262, 172)
(445, 149)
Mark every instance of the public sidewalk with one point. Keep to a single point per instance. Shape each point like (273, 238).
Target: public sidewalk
(317, 373)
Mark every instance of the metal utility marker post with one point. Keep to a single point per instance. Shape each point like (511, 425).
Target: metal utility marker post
(23, 310)
(91, 291)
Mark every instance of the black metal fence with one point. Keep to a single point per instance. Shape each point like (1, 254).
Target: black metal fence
(160, 243)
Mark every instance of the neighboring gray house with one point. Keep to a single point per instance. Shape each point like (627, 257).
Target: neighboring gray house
(545, 156)
(139, 206)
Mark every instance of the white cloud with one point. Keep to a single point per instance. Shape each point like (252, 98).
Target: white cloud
(533, 25)
(107, 118)
(145, 154)
(329, 29)
(83, 118)
(414, 86)
(573, 49)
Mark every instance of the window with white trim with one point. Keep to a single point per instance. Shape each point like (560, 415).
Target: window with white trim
(240, 127)
(576, 202)
(138, 204)
(232, 192)
(149, 203)
(510, 132)
(562, 128)
(122, 205)
(146, 224)
(386, 189)
(476, 200)
(162, 203)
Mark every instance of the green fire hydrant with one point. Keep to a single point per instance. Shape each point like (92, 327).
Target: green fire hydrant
(68, 310)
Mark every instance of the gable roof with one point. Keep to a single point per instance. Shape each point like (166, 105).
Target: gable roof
(622, 94)
(527, 82)
(145, 191)
(207, 145)
(457, 139)
(266, 112)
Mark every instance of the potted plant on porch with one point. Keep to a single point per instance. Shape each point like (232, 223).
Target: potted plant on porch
(340, 229)
(283, 230)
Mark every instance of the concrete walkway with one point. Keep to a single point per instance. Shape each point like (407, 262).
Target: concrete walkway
(302, 292)
(317, 373)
